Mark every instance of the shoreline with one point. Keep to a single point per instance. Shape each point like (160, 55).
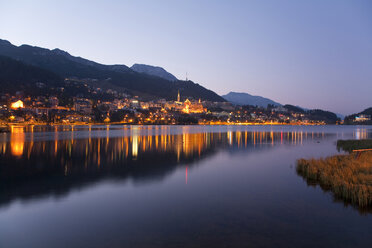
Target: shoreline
(348, 176)
(153, 124)
(6, 128)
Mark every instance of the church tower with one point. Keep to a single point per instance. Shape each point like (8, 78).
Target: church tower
(178, 97)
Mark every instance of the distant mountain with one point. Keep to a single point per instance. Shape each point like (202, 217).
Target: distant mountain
(117, 77)
(153, 71)
(341, 116)
(247, 99)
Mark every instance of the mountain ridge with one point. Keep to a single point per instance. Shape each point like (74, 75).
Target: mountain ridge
(154, 71)
(120, 77)
(242, 98)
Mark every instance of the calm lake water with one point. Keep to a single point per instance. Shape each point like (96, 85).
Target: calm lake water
(172, 186)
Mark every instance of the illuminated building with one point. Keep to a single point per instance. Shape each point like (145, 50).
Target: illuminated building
(193, 107)
(16, 105)
(53, 101)
(361, 118)
(135, 103)
(178, 105)
(83, 106)
(187, 106)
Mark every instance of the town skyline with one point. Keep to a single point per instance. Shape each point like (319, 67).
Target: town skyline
(269, 49)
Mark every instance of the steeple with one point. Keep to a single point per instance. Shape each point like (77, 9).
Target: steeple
(178, 97)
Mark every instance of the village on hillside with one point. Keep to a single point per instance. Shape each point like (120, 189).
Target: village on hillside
(109, 106)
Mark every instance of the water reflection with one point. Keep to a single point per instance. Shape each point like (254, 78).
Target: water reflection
(186, 143)
(17, 140)
(361, 133)
(170, 187)
(30, 166)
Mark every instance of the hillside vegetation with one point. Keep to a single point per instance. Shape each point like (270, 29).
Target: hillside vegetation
(17, 76)
(118, 77)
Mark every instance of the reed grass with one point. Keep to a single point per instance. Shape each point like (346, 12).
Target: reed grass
(349, 177)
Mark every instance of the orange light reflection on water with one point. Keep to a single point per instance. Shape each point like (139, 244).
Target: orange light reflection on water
(17, 140)
(135, 142)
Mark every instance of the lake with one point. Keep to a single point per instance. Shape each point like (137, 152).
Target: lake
(172, 186)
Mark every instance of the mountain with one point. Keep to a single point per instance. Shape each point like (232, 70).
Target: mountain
(58, 61)
(367, 111)
(314, 114)
(247, 99)
(153, 71)
(17, 76)
(295, 109)
(322, 115)
(117, 77)
(299, 109)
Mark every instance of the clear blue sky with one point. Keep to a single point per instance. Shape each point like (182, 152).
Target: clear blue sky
(316, 54)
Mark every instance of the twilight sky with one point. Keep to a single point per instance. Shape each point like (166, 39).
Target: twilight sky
(316, 54)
